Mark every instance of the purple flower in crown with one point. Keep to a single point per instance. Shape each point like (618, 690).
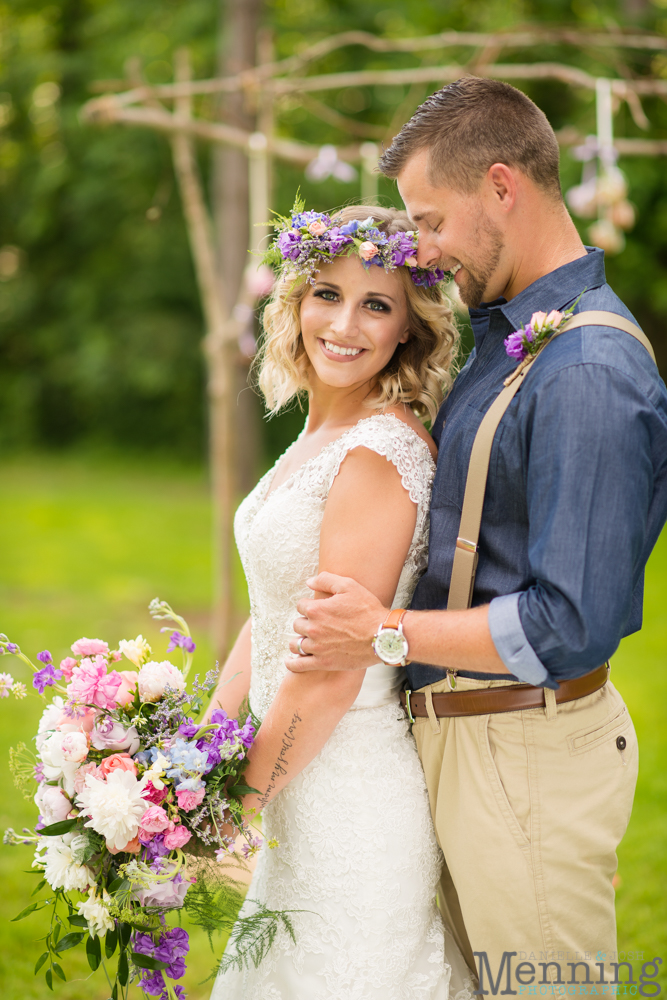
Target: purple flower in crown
(184, 641)
(403, 246)
(289, 244)
(302, 220)
(337, 238)
(426, 277)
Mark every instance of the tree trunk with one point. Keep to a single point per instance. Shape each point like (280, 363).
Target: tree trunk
(235, 424)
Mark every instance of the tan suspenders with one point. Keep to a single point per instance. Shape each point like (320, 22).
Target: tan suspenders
(465, 556)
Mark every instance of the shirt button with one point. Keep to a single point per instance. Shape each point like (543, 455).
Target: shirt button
(621, 742)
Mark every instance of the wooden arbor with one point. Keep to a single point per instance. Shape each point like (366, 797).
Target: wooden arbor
(170, 108)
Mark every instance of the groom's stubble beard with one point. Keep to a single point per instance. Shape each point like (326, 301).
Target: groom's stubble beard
(478, 273)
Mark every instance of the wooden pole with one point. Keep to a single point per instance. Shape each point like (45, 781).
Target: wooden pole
(216, 351)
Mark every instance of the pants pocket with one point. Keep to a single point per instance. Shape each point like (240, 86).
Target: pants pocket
(607, 730)
(507, 769)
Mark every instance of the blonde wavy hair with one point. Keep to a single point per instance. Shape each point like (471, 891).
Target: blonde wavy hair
(420, 371)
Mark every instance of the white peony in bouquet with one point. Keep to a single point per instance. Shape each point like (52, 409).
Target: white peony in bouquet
(126, 779)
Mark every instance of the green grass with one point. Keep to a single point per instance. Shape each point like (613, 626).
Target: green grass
(86, 544)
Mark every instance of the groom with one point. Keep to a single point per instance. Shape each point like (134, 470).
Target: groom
(531, 791)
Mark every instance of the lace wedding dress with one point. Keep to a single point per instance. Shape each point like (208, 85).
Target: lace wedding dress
(357, 854)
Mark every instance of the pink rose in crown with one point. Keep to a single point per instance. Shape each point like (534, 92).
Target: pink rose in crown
(317, 228)
(154, 820)
(117, 762)
(190, 800)
(177, 837)
(92, 685)
(67, 666)
(368, 250)
(90, 647)
(128, 685)
(411, 262)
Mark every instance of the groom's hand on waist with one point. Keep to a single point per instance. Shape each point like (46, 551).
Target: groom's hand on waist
(338, 627)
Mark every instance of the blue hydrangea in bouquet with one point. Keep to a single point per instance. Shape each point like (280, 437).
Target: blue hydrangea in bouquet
(140, 809)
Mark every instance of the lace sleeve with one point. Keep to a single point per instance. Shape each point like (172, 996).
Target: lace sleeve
(396, 441)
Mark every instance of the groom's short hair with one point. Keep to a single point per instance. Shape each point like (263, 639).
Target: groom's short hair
(471, 124)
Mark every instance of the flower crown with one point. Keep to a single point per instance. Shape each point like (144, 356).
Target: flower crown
(307, 239)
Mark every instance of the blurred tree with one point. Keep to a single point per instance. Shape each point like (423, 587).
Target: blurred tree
(100, 324)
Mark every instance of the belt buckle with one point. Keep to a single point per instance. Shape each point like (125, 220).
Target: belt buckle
(408, 708)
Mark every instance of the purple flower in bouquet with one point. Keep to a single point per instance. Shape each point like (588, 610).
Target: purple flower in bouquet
(171, 948)
(153, 848)
(44, 656)
(515, 344)
(184, 641)
(46, 677)
(110, 735)
(247, 734)
(189, 728)
(12, 647)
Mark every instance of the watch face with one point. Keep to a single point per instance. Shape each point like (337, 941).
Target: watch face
(391, 646)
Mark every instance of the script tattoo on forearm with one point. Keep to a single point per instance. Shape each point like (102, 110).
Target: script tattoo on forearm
(281, 763)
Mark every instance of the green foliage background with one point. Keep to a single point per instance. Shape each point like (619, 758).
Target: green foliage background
(100, 329)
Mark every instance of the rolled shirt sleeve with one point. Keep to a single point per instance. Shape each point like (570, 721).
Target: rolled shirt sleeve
(511, 643)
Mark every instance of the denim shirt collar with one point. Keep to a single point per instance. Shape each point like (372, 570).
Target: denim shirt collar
(555, 290)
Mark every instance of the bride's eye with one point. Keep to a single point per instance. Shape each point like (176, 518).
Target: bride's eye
(326, 294)
(376, 306)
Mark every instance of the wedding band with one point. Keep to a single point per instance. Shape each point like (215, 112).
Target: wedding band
(299, 647)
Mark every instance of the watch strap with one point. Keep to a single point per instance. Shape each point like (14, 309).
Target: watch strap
(394, 618)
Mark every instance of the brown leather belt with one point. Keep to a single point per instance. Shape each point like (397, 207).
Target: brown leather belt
(490, 701)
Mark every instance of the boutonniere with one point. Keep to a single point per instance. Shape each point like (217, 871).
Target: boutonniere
(527, 341)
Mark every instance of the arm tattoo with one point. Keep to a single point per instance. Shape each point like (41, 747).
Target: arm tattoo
(281, 763)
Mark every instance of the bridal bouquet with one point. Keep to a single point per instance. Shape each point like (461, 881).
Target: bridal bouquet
(127, 783)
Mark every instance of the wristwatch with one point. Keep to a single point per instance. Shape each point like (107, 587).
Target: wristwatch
(390, 645)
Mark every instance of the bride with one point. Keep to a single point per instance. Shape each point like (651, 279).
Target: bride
(369, 336)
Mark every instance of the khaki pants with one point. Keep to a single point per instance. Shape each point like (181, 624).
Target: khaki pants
(529, 808)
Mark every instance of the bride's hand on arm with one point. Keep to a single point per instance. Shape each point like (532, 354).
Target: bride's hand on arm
(234, 682)
(366, 533)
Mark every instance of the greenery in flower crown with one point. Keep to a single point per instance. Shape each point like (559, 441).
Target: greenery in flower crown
(305, 240)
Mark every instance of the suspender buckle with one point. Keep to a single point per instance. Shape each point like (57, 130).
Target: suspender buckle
(463, 543)
(408, 709)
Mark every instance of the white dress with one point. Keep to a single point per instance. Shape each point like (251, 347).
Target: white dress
(357, 852)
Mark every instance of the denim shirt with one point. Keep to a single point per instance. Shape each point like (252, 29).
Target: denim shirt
(577, 488)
